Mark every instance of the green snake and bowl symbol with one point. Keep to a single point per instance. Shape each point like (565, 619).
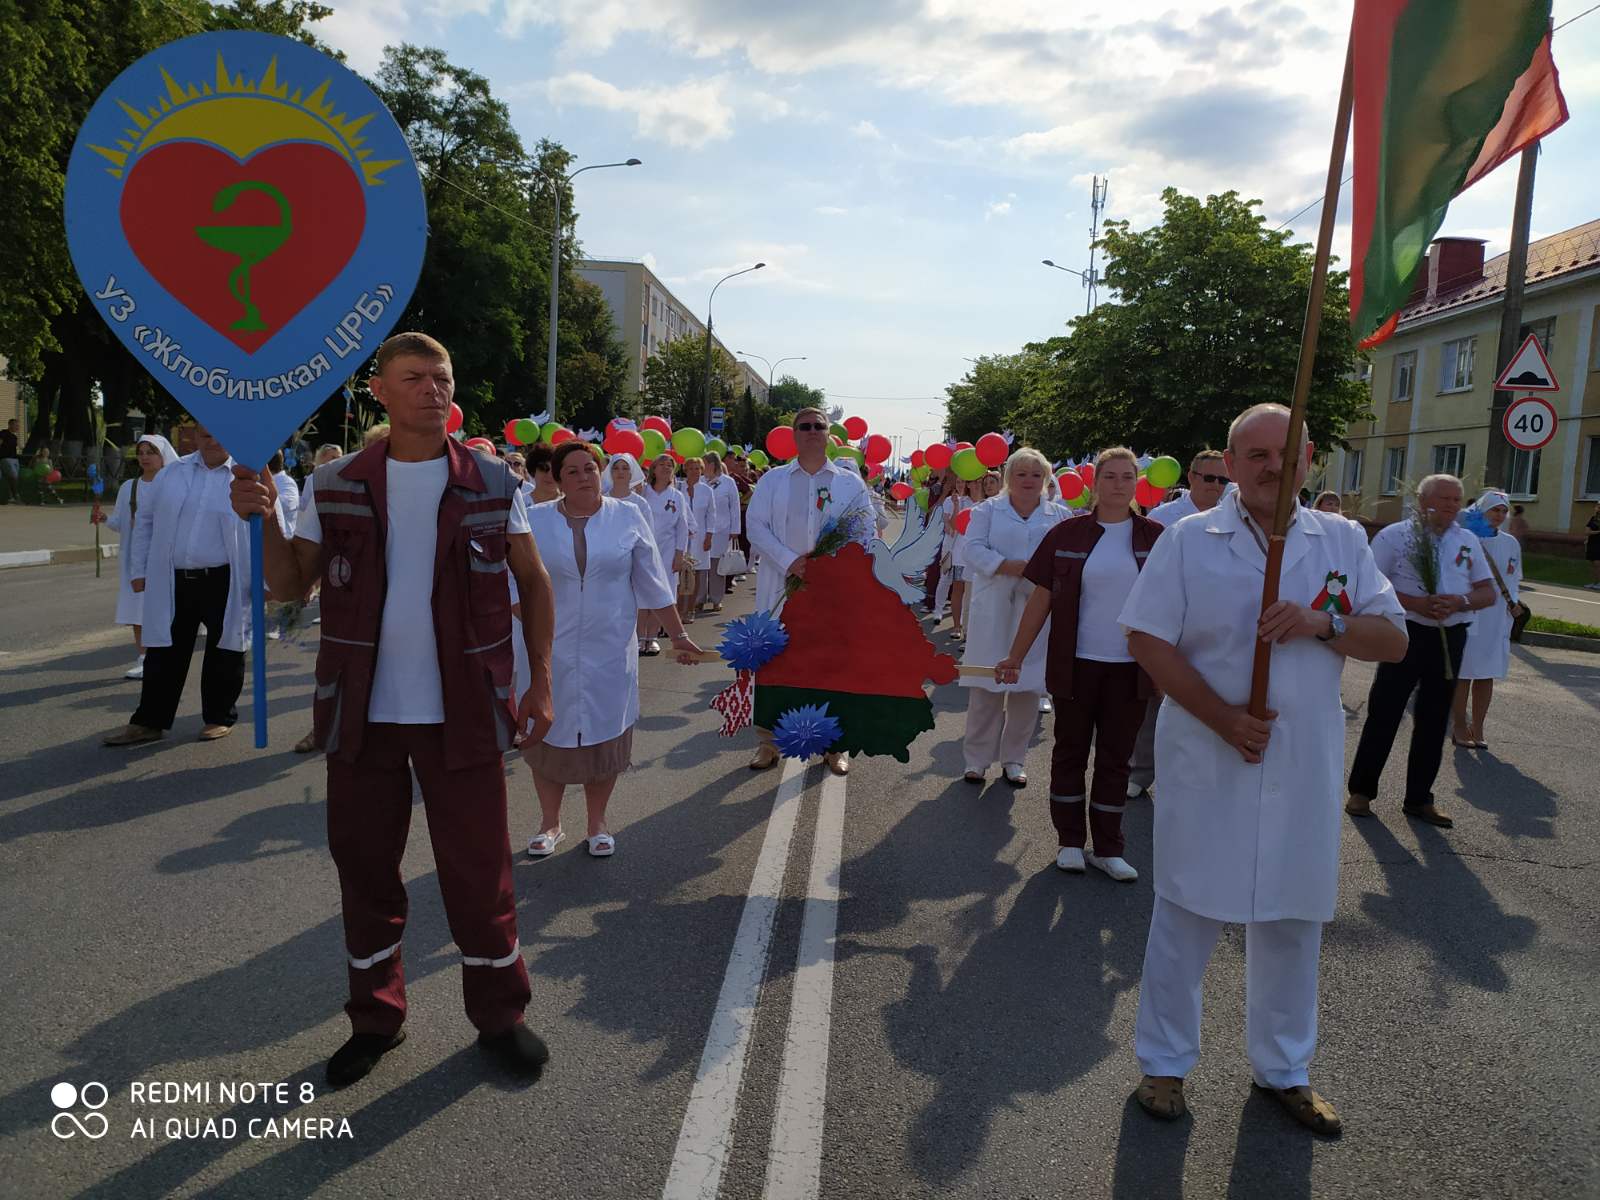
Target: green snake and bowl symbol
(249, 243)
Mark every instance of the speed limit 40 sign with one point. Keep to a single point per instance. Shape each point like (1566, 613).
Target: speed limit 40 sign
(1530, 422)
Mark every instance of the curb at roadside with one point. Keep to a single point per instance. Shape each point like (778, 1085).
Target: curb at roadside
(1561, 641)
(53, 558)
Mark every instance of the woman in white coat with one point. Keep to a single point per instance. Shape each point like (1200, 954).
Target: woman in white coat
(1487, 656)
(669, 523)
(153, 453)
(726, 524)
(603, 563)
(1003, 534)
(702, 531)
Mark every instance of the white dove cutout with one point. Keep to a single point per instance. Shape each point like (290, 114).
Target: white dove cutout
(541, 418)
(901, 567)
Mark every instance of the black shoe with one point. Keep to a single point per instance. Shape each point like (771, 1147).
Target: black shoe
(519, 1048)
(355, 1059)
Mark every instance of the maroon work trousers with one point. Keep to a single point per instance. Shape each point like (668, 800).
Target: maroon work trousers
(1105, 710)
(369, 817)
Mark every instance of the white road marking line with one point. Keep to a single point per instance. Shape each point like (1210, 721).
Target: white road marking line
(706, 1137)
(794, 1159)
(1538, 591)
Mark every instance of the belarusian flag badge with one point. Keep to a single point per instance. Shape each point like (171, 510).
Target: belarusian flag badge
(1333, 597)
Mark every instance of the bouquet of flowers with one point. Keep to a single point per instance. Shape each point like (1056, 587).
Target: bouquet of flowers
(1425, 558)
(853, 525)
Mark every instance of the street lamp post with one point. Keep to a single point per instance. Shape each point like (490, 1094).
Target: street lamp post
(1090, 279)
(555, 281)
(713, 296)
(772, 367)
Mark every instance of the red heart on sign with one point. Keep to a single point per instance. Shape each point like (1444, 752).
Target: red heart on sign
(243, 245)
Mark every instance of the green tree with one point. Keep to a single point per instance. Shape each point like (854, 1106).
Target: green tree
(1206, 322)
(788, 396)
(673, 377)
(985, 399)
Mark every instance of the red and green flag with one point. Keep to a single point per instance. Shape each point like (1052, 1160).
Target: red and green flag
(1445, 91)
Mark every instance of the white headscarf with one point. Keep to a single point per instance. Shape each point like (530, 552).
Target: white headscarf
(1491, 498)
(635, 474)
(168, 454)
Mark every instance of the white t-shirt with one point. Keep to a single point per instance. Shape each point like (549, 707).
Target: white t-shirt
(406, 688)
(1461, 564)
(1109, 574)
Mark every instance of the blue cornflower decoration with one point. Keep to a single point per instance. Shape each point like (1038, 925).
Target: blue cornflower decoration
(751, 642)
(804, 731)
(1475, 521)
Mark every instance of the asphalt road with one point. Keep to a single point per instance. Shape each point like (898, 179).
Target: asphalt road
(957, 1023)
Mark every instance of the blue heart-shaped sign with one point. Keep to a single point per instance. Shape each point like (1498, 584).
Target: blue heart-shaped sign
(248, 219)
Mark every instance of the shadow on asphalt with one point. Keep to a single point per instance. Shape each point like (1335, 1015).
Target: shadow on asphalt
(1520, 804)
(1149, 1155)
(1029, 995)
(1578, 678)
(1441, 905)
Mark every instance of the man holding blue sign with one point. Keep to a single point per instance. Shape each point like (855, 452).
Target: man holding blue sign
(413, 540)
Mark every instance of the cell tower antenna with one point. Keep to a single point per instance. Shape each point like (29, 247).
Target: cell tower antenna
(1097, 205)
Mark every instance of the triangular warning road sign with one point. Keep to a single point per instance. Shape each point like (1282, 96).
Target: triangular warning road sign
(1528, 371)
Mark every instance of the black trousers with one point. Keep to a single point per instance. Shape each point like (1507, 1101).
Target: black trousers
(1422, 671)
(197, 599)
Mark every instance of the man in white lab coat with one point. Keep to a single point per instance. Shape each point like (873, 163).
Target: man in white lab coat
(788, 510)
(1247, 822)
(191, 559)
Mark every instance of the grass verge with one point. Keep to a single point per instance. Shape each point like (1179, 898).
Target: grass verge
(1570, 628)
(1554, 568)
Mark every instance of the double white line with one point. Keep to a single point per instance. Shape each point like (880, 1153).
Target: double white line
(794, 1158)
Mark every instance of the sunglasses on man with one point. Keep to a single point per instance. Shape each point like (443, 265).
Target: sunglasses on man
(1213, 478)
(810, 427)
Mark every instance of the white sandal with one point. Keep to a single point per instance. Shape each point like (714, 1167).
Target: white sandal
(544, 844)
(602, 845)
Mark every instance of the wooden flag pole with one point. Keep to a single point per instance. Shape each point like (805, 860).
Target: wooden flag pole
(1262, 668)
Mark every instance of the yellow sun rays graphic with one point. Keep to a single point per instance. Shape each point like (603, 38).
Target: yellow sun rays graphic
(242, 115)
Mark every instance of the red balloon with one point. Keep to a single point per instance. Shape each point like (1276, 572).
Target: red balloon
(1147, 494)
(878, 448)
(1071, 485)
(53, 477)
(962, 520)
(511, 432)
(622, 441)
(875, 471)
(780, 443)
(960, 446)
(992, 450)
(675, 456)
(1086, 473)
(916, 458)
(660, 424)
(453, 421)
(566, 435)
(856, 427)
(901, 491)
(938, 456)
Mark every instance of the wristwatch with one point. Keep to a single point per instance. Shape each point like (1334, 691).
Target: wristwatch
(1336, 628)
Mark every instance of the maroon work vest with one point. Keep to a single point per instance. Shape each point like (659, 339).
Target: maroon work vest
(471, 601)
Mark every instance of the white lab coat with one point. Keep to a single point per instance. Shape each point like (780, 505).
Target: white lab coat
(289, 500)
(594, 667)
(669, 521)
(152, 553)
(1236, 842)
(994, 601)
(724, 513)
(954, 540)
(702, 521)
(1488, 651)
(130, 604)
(766, 521)
(1174, 511)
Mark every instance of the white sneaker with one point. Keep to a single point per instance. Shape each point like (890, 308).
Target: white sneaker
(1134, 790)
(1118, 868)
(1070, 858)
(274, 635)
(1015, 775)
(1045, 705)
(136, 671)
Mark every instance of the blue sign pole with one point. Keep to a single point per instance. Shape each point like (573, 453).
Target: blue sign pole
(258, 630)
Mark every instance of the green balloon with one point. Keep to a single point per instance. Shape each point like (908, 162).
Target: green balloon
(832, 451)
(654, 444)
(690, 443)
(851, 452)
(920, 474)
(967, 466)
(549, 431)
(921, 497)
(1081, 500)
(527, 432)
(717, 446)
(1164, 472)
(759, 459)
(839, 431)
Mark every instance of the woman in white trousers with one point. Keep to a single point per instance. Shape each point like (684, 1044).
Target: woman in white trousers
(1003, 534)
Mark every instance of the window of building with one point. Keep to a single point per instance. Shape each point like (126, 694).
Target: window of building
(1352, 470)
(1455, 364)
(1394, 470)
(1450, 458)
(1546, 329)
(1405, 376)
(1522, 472)
(1591, 471)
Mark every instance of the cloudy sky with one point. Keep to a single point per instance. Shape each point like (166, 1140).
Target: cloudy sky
(902, 166)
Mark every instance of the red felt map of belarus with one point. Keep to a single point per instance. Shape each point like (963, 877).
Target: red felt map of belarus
(855, 647)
